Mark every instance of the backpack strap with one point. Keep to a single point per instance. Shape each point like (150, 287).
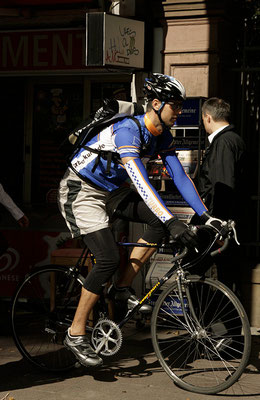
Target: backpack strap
(144, 145)
(107, 154)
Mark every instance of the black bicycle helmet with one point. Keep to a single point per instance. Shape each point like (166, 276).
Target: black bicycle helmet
(164, 88)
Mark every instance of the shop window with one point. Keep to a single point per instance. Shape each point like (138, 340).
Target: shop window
(12, 136)
(57, 109)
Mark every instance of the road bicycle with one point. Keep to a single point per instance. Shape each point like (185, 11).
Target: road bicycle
(199, 329)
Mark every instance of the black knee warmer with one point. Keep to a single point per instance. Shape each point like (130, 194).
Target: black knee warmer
(154, 234)
(156, 230)
(103, 246)
(133, 208)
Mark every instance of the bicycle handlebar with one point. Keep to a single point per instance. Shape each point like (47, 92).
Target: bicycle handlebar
(228, 230)
(220, 249)
(224, 235)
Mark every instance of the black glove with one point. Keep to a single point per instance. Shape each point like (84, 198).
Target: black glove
(182, 232)
(215, 223)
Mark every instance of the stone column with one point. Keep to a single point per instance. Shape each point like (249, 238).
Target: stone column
(197, 40)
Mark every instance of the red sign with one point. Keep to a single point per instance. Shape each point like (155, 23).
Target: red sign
(43, 50)
(26, 250)
(19, 3)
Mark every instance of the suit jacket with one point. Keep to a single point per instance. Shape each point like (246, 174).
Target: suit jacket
(221, 183)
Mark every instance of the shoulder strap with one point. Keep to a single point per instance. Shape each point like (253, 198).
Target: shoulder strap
(137, 123)
(103, 124)
(107, 154)
(144, 145)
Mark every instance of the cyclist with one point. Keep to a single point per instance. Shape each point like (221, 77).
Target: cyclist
(88, 196)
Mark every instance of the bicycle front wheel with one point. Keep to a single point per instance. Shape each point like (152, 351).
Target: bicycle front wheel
(208, 351)
(42, 310)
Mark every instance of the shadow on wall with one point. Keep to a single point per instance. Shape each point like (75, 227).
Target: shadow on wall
(250, 292)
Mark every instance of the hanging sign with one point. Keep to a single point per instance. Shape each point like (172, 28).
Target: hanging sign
(113, 40)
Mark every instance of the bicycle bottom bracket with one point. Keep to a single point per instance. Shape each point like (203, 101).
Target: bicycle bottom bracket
(106, 337)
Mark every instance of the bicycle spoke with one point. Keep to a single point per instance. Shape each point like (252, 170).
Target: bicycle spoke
(204, 351)
(42, 311)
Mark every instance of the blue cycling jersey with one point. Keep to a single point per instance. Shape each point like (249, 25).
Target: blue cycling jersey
(125, 139)
(122, 138)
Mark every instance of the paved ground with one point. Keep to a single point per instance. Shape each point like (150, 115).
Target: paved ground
(134, 373)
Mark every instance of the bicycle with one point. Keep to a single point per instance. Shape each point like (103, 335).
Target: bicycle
(203, 343)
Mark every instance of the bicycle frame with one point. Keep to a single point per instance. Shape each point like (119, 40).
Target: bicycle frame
(181, 273)
(180, 276)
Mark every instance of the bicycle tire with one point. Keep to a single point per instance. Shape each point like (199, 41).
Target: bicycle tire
(42, 309)
(212, 356)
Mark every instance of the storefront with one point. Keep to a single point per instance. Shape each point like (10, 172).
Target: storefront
(45, 80)
(46, 91)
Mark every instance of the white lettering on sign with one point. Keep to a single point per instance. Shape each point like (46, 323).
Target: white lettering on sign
(37, 50)
(57, 49)
(20, 52)
(9, 278)
(58, 46)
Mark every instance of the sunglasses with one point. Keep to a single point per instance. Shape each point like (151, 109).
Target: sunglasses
(175, 106)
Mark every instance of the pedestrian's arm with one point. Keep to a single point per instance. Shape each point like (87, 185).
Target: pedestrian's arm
(14, 210)
(23, 222)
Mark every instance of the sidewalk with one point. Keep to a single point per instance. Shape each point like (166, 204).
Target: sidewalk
(133, 374)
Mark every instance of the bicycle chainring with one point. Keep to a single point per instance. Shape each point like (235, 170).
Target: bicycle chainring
(106, 337)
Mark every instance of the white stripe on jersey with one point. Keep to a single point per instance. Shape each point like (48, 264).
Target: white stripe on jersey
(153, 201)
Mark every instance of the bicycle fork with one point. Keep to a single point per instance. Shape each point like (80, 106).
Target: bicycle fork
(192, 322)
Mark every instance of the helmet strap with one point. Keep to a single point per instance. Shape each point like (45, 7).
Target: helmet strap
(158, 112)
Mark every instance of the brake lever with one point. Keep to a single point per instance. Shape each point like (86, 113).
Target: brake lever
(232, 226)
(228, 228)
(194, 229)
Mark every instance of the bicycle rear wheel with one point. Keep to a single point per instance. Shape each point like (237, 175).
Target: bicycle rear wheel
(208, 354)
(42, 310)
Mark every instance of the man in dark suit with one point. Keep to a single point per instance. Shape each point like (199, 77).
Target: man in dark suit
(223, 166)
(222, 175)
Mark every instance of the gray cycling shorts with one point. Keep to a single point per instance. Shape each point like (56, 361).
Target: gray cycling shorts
(82, 205)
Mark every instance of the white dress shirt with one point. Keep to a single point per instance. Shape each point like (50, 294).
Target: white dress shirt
(213, 134)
